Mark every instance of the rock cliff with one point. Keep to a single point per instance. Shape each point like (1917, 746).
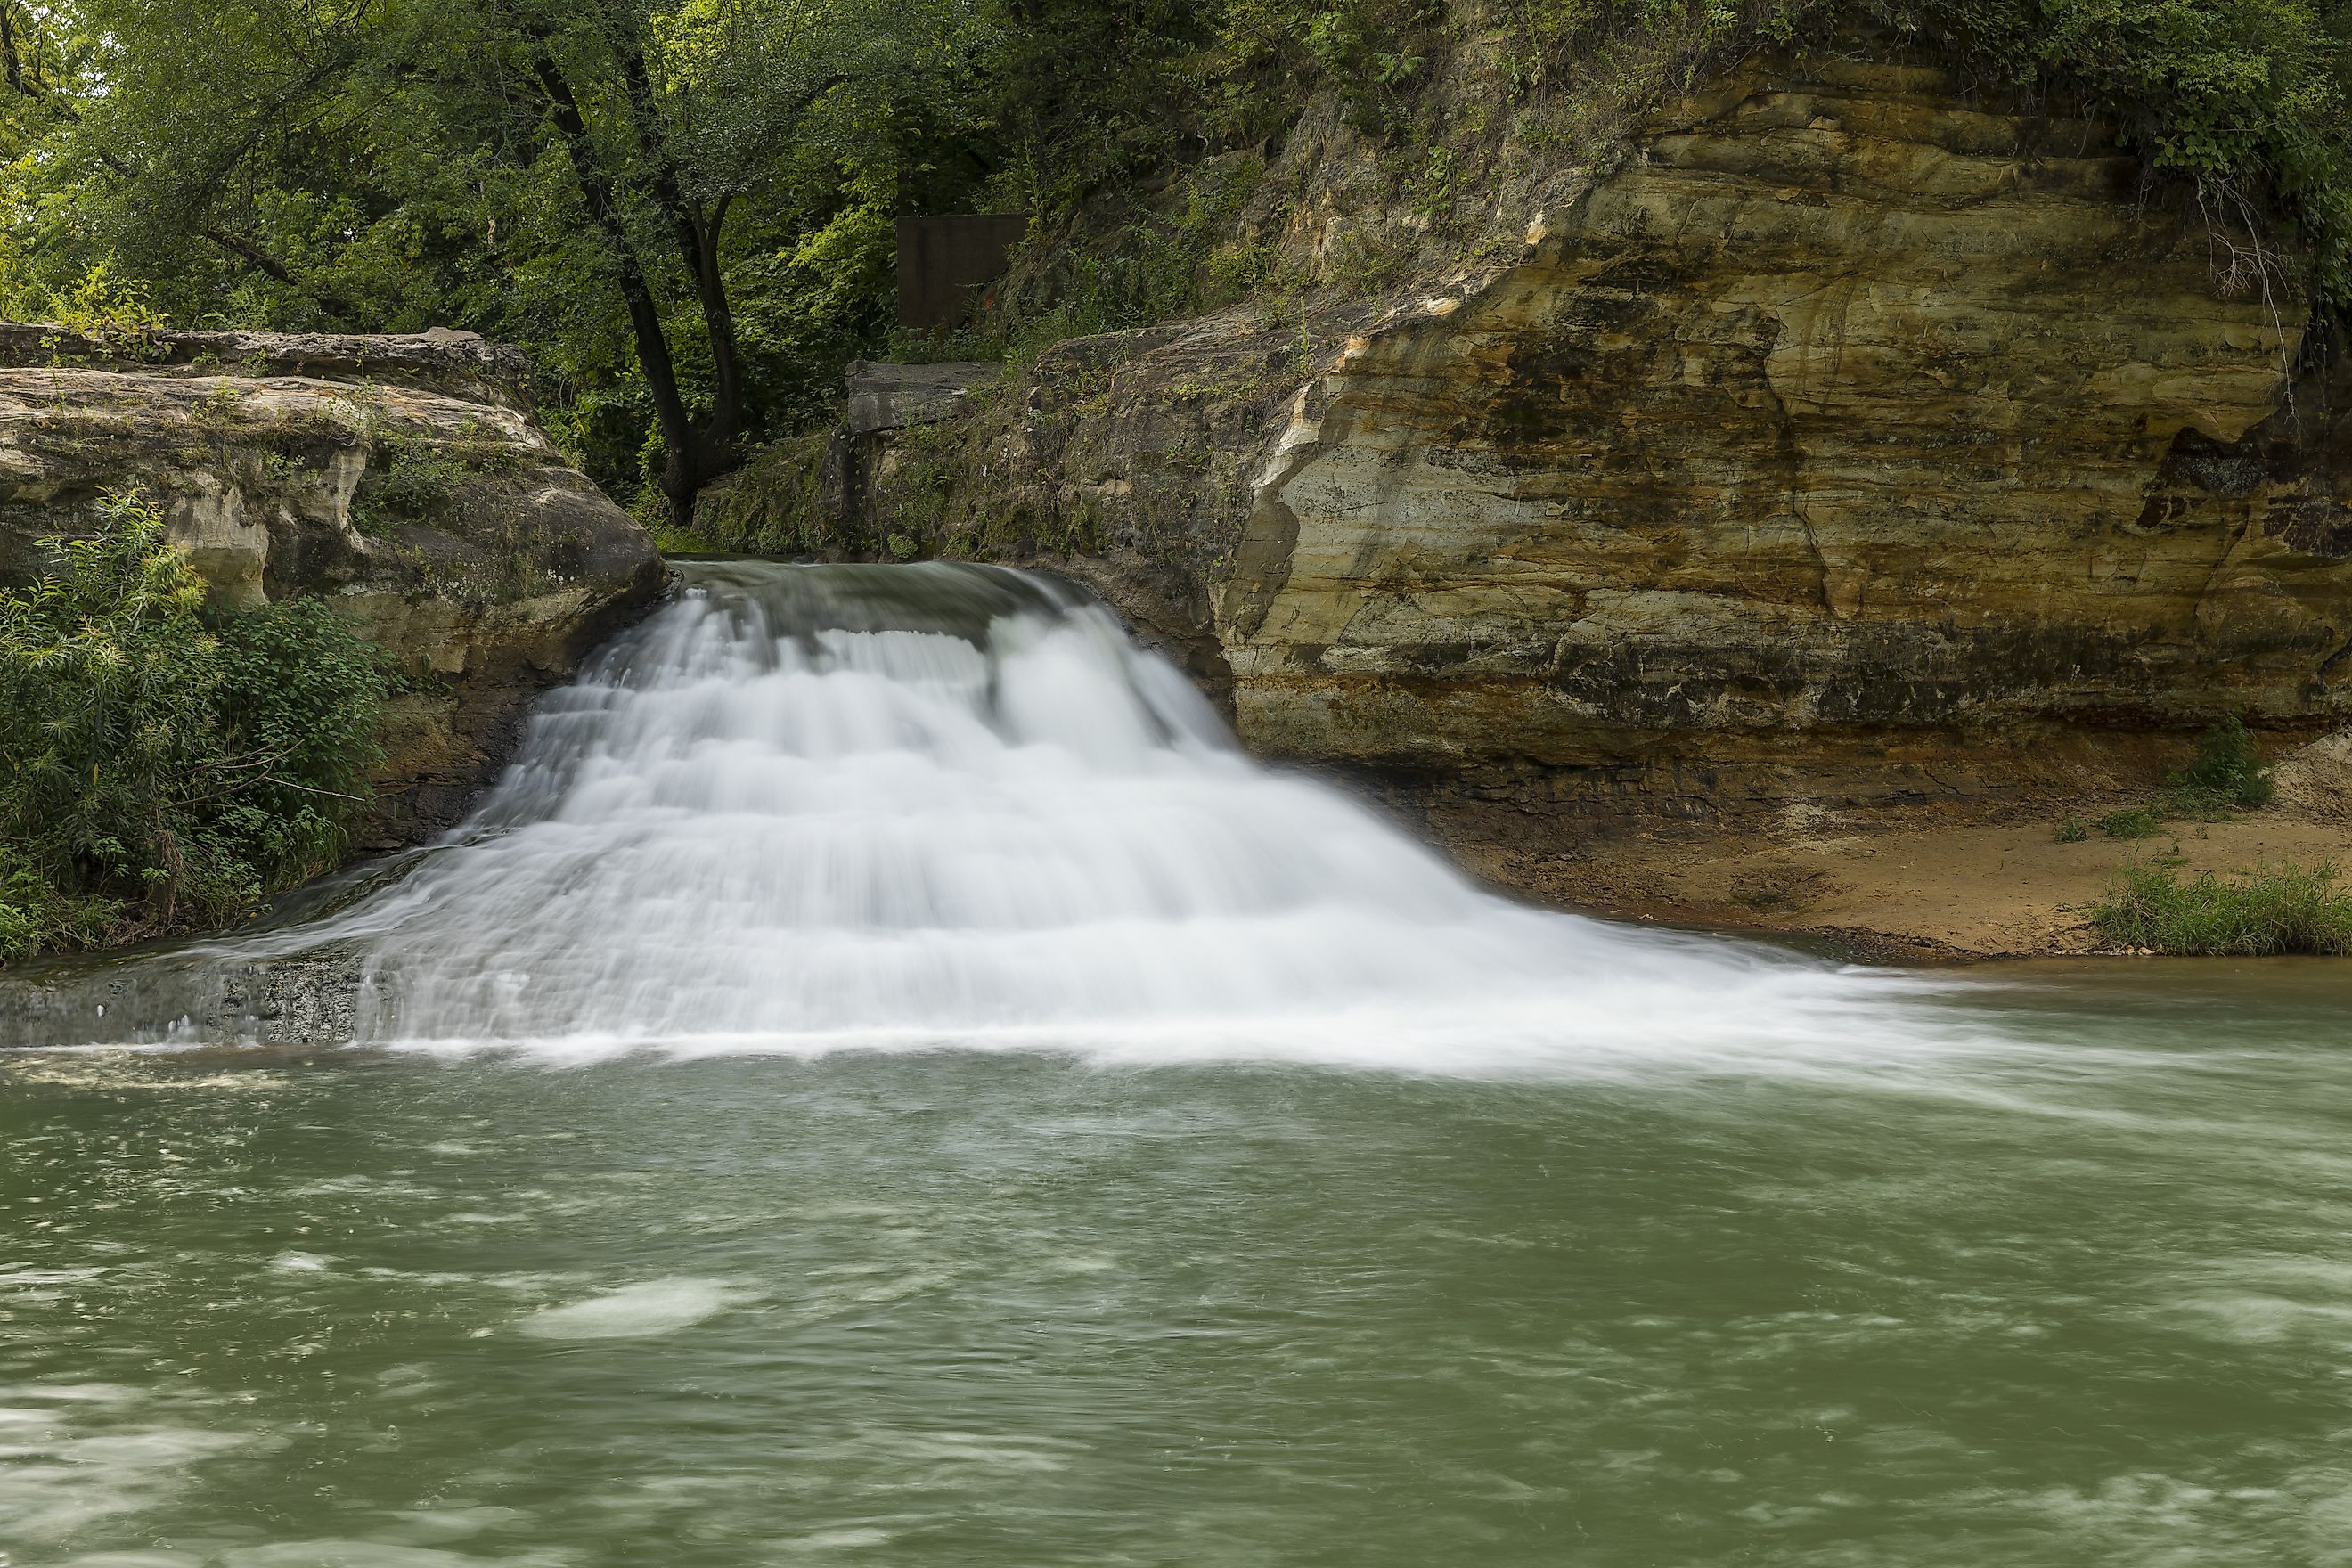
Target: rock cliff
(1846, 439)
(402, 477)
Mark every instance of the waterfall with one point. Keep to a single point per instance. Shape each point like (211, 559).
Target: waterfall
(803, 808)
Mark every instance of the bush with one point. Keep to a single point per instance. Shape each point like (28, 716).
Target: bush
(2227, 772)
(2137, 822)
(160, 771)
(2271, 910)
(2074, 830)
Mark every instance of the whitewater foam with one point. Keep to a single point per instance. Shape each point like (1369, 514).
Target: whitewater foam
(814, 808)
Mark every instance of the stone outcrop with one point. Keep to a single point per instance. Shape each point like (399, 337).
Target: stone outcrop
(1844, 414)
(403, 478)
(894, 396)
(1846, 439)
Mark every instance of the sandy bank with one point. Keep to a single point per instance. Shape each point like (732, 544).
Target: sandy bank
(1916, 886)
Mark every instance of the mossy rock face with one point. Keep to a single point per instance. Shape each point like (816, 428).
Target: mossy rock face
(442, 522)
(788, 502)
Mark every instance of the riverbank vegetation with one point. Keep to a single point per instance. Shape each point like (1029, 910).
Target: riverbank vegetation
(684, 208)
(2228, 774)
(162, 769)
(2269, 910)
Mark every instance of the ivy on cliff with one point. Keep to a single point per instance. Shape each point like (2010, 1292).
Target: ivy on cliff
(162, 770)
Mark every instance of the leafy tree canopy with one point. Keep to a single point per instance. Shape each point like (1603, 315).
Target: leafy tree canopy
(682, 207)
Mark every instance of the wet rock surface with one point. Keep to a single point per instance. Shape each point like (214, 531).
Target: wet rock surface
(174, 998)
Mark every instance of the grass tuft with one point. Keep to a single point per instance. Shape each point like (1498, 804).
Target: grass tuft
(2136, 822)
(2280, 908)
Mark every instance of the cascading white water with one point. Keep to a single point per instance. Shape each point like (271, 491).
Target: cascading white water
(817, 807)
(814, 806)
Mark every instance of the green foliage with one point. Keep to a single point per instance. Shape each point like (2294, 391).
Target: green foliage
(2282, 909)
(1629, 50)
(2246, 98)
(1374, 52)
(1171, 258)
(159, 772)
(678, 206)
(2074, 830)
(101, 304)
(693, 267)
(2136, 822)
(1085, 100)
(417, 477)
(2227, 772)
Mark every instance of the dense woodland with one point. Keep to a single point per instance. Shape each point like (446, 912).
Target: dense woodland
(683, 210)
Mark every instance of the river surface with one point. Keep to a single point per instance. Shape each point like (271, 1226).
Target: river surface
(884, 1082)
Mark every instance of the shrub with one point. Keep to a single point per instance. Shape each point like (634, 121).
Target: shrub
(107, 307)
(2227, 772)
(2074, 830)
(2271, 910)
(417, 477)
(2137, 822)
(160, 771)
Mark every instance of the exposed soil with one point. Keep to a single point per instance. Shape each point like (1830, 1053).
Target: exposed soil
(1920, 887)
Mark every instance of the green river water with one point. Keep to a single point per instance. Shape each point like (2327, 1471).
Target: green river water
(2087, 1299)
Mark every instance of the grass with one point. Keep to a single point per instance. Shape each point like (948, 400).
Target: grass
(2227, 777)
(2228, 774)
(2277, 908)
(2136, 822)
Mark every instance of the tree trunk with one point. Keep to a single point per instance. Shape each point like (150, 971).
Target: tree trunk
(694, 460)
(700, 449)
(713, 450)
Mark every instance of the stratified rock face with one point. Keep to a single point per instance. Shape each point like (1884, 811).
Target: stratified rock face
(402, 478)
(1846, 442)
(1840, 412)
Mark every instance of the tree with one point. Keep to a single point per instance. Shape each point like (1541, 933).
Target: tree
(666, 119)
(589, 176)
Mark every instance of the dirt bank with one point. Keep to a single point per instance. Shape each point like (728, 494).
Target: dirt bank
(1917, 887)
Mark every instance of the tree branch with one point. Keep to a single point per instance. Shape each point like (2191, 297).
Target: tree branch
(261, 261)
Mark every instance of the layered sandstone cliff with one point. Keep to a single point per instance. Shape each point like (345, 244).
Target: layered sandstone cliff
(402, 478)
(1846, 439)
